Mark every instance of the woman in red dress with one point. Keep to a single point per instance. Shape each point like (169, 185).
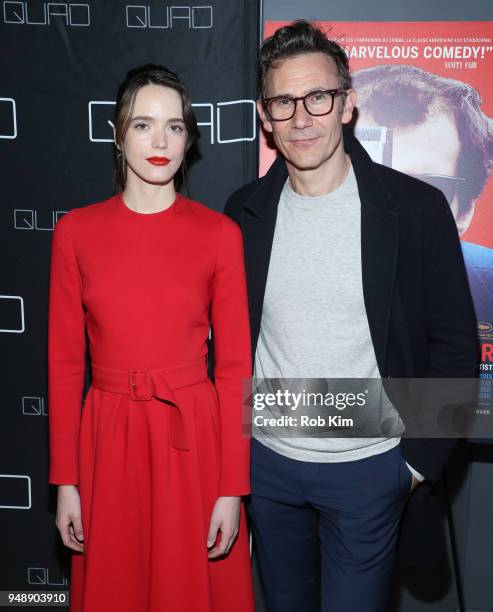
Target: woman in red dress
(151, 471)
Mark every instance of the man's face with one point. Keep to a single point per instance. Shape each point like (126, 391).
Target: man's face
(431, 147)
(306, 142)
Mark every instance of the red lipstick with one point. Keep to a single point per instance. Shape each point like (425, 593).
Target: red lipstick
(158, 161)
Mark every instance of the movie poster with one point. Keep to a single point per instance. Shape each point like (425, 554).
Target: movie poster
(425, 107)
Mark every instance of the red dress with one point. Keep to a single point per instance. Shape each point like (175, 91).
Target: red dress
(156, 442)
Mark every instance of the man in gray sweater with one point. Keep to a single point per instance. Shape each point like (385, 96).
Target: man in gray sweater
(346, 264)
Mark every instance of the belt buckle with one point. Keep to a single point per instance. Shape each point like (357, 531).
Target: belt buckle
(137, 380)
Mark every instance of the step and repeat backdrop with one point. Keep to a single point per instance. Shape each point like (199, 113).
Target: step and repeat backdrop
(61, 64)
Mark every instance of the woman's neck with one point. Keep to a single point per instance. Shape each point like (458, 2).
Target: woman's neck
(147, 198)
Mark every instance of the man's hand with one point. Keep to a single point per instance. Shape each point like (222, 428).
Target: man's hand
(225, 518)
(414, 484)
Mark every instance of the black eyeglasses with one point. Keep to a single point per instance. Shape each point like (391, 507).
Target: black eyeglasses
(316, 103)
(450, 186)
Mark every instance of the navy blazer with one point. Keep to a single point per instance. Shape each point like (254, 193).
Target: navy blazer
(417, 299)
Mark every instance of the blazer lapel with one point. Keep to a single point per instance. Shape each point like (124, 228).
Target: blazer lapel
(379, 254)
(259, 222)
(379, 247)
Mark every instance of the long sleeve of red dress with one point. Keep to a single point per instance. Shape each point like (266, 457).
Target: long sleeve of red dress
(66, 356)
(232, 357)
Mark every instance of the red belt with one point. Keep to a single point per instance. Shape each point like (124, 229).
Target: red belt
(143, 385)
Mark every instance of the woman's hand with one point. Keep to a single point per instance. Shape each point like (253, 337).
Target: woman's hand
(226, 519)
(68, 517)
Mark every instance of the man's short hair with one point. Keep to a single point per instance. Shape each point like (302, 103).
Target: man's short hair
(295, 39)
(400, 95)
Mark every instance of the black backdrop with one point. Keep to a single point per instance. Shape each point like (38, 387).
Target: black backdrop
(60, 67)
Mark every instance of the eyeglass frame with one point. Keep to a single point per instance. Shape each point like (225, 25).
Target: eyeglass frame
(332, 92)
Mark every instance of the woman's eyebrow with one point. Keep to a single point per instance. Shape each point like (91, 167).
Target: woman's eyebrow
(149, 118)
(142, 118)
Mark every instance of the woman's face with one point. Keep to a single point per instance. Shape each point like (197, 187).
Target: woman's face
(156, 138)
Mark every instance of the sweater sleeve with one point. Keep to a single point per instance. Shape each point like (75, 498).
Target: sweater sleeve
(66, 356)
(232, 355)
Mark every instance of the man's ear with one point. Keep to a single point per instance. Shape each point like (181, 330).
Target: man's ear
(349, 104)
(263, 116)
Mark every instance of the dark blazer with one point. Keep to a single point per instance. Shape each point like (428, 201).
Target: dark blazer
(415, 288)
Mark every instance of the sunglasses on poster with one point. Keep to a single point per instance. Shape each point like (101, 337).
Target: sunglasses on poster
(450, 186)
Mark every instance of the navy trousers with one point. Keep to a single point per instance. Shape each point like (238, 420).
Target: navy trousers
(325, 533)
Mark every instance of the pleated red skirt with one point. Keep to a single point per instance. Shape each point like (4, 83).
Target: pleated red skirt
(146, 508)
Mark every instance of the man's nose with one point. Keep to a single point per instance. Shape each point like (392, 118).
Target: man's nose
(301, 117)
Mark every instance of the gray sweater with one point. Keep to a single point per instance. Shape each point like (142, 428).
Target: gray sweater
(314, 323)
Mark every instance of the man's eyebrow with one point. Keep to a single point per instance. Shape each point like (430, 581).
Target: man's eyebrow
(307, 91)
(321, 88)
